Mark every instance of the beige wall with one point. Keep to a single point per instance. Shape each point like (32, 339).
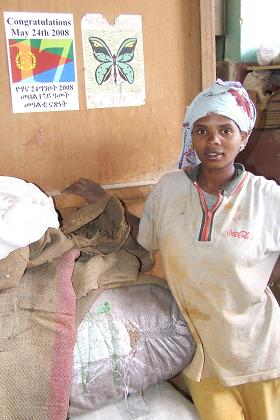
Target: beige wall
(113, 145)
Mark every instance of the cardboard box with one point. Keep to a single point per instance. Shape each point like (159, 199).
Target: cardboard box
(269, 117)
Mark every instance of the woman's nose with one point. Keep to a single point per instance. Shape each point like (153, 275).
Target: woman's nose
(214, 137)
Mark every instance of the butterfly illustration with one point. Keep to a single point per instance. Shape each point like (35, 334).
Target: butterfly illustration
(109, 61)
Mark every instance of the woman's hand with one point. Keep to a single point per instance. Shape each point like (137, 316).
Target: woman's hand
(88, 189)
(93, 192)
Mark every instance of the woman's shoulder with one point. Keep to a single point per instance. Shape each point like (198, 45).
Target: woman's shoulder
(262, 184)
(173, 176)
(169, 183)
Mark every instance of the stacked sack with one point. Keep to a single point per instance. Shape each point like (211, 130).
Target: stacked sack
(131, 339)
(79, 318)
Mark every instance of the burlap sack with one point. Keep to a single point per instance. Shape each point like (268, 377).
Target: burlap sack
(38, 305)
(101, 228)
(12, 268)
(37, 330)
(110, 257)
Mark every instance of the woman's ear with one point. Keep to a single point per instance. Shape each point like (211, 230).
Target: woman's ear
(244, 139)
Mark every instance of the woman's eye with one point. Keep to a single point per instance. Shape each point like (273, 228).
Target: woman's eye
(201, 131)
(226, 131)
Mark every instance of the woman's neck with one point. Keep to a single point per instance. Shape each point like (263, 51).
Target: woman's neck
(211, 181)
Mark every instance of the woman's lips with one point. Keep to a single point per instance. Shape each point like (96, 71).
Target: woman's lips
(214, 155)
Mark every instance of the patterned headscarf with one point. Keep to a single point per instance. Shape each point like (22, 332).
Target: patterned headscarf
(229, 99)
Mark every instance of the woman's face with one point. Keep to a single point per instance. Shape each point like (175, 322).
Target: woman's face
(217, 140)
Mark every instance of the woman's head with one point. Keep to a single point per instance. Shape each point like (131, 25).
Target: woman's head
(228, 99)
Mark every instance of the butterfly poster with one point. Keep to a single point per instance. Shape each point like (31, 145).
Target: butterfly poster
(113, 61)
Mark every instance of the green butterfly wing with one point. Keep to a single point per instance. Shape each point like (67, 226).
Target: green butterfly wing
(101, 53)
(125, 54)
(126, 72)
(103, 72)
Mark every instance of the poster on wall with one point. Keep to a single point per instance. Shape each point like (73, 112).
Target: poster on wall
(42, 64)
(113, 61)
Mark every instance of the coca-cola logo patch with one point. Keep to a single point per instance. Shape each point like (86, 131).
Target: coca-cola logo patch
(242, 234)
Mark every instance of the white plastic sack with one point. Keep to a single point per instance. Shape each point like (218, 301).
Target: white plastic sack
(268, 54)
(258, 81)
(160, 402)
(132, 338)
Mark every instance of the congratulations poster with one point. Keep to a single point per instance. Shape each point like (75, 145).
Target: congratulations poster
(113, 61)
(42, 65)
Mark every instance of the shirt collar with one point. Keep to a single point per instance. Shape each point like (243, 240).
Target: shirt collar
(229, 187)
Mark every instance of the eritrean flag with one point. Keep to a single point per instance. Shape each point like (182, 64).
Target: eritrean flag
(42, 60)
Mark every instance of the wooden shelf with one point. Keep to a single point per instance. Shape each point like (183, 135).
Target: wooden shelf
(256, 67)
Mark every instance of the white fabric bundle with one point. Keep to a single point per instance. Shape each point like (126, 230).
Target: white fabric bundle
(25, 214)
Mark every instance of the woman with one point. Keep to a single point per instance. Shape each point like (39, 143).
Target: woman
(217, 229)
